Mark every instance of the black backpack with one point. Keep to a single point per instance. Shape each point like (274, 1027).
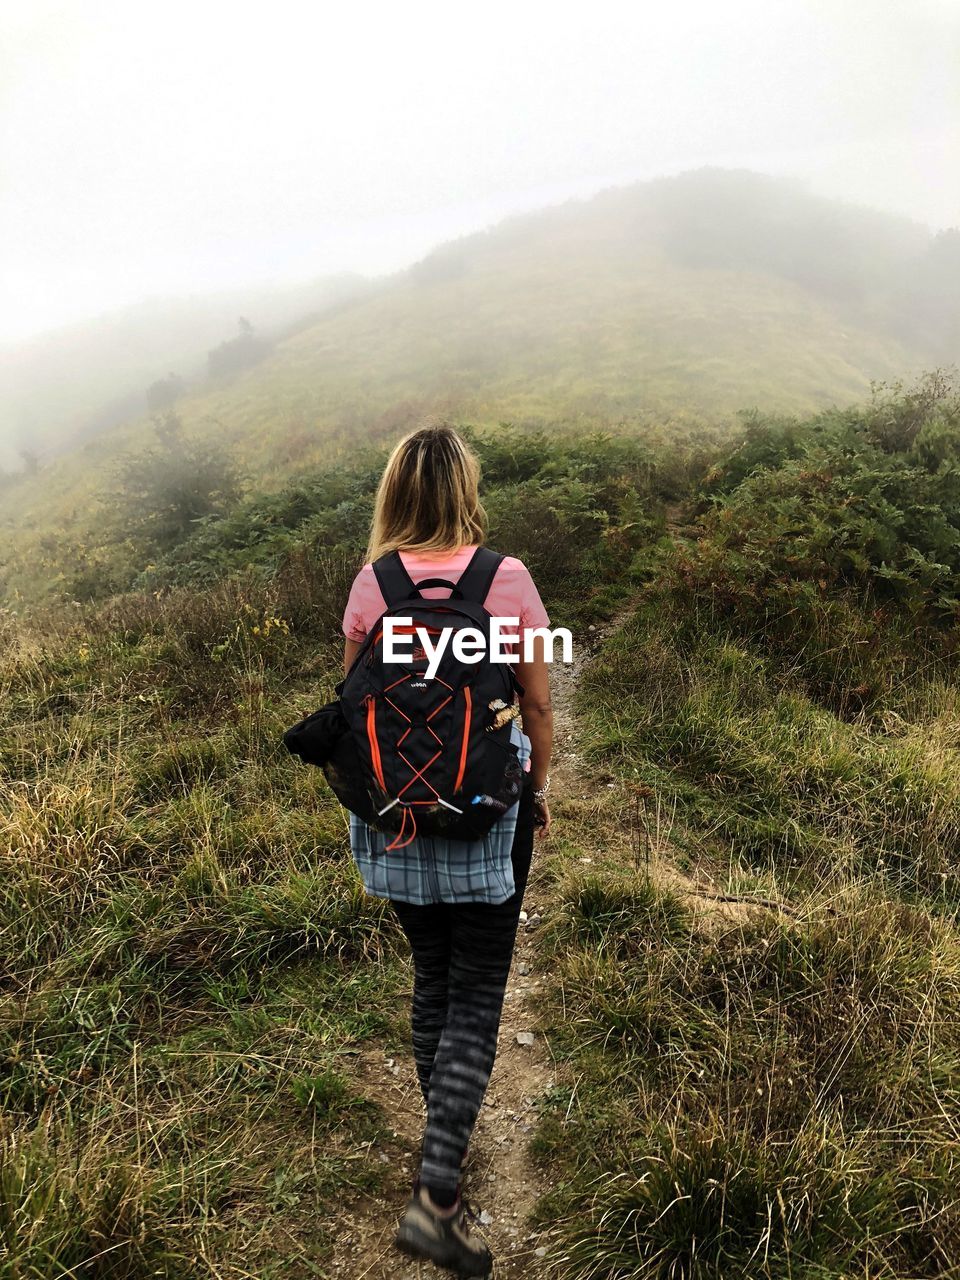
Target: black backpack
(414, 755)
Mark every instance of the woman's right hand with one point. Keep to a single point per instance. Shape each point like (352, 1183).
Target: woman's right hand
(541, 816)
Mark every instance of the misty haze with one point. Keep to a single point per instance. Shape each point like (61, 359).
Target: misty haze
(681, 285)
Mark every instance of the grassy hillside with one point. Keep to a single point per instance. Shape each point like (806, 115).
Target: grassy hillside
(750, 967)
(194, 984)
(670, 305)
(756, 988)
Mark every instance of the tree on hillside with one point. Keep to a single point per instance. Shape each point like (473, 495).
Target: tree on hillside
(239, 353)
(161, 493)
(165, 392)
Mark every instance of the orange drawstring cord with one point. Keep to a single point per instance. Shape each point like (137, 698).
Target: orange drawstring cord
(396, 842)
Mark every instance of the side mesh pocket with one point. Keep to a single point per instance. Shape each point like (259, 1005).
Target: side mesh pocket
(500, 780)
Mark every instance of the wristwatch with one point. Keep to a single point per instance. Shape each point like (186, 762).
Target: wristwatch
(540, 793)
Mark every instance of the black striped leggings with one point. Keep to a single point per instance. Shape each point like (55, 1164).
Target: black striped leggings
(461, 957)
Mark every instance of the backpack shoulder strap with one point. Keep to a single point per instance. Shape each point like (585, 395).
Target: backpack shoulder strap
(394, 581)
(477, 578)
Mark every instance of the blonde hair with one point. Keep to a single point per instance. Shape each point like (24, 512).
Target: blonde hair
(427, 499)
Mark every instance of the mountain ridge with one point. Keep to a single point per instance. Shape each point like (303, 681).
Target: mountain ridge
(670, 305)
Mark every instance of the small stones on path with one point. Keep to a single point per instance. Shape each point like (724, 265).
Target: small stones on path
(523, 968)
(525, 1037)
(534, 920)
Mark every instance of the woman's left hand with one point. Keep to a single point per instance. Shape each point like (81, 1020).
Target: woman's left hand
(541, 816)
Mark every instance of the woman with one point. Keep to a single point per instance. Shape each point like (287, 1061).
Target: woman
(461, 922)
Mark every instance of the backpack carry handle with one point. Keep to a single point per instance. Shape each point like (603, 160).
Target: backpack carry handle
(440, 582)
(396, 584)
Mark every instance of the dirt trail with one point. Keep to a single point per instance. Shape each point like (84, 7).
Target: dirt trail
(500, 1182)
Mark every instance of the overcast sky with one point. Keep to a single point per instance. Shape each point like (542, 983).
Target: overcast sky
(173, 148)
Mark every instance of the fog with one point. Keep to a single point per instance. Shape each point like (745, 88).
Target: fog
(184, 148)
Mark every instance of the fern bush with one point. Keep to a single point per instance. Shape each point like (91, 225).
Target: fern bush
(835, 543)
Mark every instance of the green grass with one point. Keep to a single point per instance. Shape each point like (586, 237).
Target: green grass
(194, 982)
(747, 1089)
(193, 977)
(780, 782)
(762, 1097)
(190, 966)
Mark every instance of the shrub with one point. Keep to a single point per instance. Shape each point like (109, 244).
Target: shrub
(160, 494)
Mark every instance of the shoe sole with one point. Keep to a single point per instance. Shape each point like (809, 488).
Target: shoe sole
(417, 1246)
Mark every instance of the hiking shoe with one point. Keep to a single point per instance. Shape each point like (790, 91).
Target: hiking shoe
(443, 1236)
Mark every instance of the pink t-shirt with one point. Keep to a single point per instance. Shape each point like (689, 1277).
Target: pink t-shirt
(512, 593)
